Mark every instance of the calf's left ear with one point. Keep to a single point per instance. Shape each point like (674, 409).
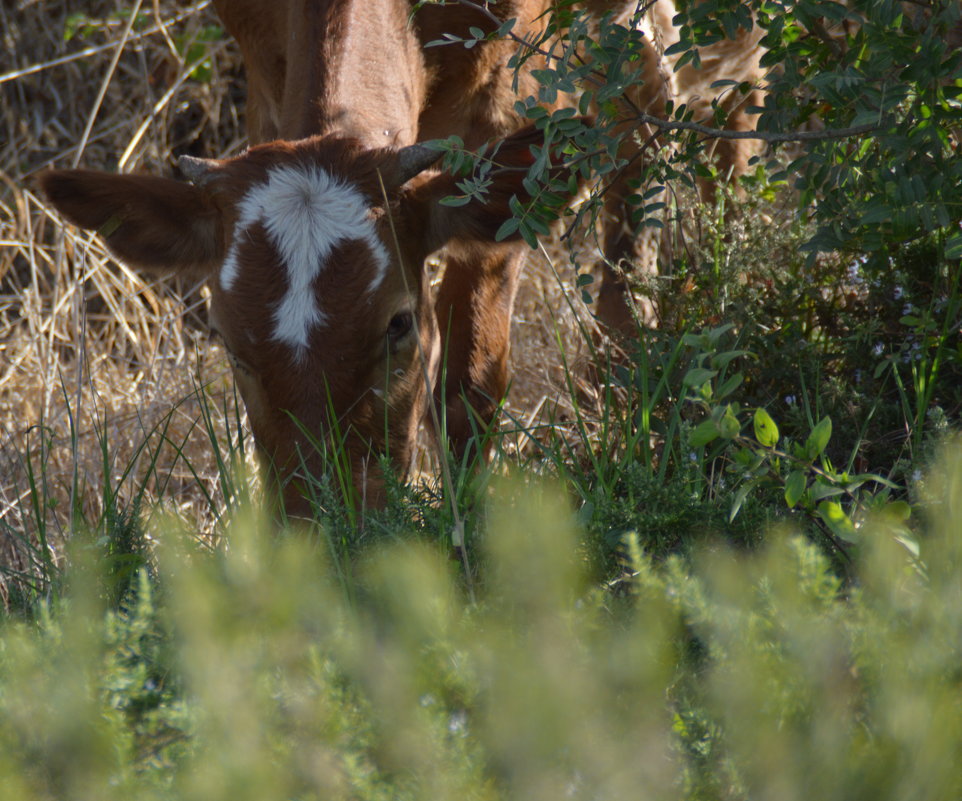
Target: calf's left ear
(150, 222)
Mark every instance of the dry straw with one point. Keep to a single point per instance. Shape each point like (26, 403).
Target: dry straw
(93, 352)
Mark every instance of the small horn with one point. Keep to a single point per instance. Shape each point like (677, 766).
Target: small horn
(415, 159)
(197, 171)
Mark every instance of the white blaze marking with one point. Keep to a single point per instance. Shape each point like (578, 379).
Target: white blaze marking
(307, 213)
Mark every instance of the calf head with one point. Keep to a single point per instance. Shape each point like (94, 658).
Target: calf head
(314, 252)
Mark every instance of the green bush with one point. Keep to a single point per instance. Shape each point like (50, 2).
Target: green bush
(248, 673)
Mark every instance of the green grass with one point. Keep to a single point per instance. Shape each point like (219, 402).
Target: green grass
(697, 433)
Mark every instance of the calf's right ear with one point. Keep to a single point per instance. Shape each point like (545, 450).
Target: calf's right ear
(480, 219)
(154, 223)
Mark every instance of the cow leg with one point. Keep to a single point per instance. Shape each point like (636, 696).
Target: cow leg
(625, 252)
(732, 157)
(474, 317)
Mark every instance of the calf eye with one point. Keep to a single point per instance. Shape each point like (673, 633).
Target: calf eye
(238, 365)
(399, 326)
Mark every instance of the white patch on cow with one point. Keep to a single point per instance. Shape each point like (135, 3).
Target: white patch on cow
(306, 213)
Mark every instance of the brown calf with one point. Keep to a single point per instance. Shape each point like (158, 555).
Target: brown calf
(314, 239)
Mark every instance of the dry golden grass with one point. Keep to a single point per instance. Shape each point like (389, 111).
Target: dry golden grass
(92, 351)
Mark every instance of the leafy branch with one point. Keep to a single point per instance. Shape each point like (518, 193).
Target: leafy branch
(597, 78)
(804, 472)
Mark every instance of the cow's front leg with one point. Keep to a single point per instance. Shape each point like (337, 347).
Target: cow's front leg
(474, 317)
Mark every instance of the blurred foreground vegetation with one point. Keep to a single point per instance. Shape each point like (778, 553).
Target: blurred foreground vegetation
(251, 673)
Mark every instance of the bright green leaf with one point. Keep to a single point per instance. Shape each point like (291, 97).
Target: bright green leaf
(728, 426)
(740, 499)
(766, 431)
(838, 522)
(822, 488)
(910, 543)
(899, 510)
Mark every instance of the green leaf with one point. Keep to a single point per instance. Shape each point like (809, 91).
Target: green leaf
(716, 333)
(818, 439)
(740, 499)
(697, 376)
(824, 489)
(455, 200)
(728, 426)
(703, 433)
(506, 27)
(899, 510)
(584, 104)
(766, 431)
(729, 386)
(720, 360)
(877, 212)
(910, 543)
(508, 228)
(795, 487)
(953, 247)
(528, 235)
(839, 523)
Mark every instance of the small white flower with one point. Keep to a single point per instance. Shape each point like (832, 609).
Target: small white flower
(855, 273)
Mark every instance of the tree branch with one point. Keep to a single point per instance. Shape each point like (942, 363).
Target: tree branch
(771, 137)
(707, 131)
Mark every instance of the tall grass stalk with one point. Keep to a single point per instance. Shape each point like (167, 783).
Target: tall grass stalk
(936, 327)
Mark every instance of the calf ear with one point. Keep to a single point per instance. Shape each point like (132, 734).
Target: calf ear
(149, 222)
(480, 220)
